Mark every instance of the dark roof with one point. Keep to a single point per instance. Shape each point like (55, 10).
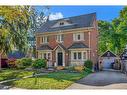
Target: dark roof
(76, 22)
(16, 54)
(44, 47)
(78, 45)
(108, 54)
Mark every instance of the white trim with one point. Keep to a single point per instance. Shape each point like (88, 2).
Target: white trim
(59, 38)
(75, 36)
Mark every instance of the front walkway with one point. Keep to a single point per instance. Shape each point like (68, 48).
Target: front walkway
(102, 80)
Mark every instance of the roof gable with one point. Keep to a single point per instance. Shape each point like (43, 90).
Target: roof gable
(108, 54)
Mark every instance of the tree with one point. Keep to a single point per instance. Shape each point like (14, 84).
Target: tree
(113, 35)
(14, 24)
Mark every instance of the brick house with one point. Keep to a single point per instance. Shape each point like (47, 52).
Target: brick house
(68, 41)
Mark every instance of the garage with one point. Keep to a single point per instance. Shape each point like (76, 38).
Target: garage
(108, 60)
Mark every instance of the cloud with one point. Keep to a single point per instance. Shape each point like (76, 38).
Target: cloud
(55, 16)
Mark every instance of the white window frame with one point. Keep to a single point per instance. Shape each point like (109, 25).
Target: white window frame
(59, 38)
(42, 55)
(45, 39)
(75, 36)
(77, 56)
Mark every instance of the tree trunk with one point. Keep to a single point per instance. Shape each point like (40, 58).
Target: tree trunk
(0, 59)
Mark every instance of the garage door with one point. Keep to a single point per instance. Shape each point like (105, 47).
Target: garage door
(107, 63)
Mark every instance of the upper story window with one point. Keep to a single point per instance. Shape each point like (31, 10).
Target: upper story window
(61, 23)
(60, 38)
(78, 36)
(45, 39)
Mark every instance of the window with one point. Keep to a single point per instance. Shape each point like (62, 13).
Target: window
(45, 39)
(75, 56)
(60, 38)
(48, 55)
(79, 55)
(78, 36)
(45, 56)
(61, 23)
(84, 55)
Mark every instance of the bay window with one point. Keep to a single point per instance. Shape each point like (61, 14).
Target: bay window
(82, 55)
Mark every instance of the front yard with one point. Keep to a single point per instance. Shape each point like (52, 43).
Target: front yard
(13, 73)
(55, 80)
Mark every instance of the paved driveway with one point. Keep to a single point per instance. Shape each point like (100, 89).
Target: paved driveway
(102, 80)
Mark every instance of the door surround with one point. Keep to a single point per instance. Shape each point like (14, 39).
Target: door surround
(60, 50)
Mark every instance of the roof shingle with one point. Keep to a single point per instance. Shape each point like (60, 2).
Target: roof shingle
(76, 22)
(78, 45)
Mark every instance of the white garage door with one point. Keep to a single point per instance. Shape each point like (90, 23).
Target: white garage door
(107, 63)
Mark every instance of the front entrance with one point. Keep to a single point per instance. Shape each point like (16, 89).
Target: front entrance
(60, 59)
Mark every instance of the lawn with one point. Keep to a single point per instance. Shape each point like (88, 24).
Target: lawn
(55, 80)
(13, 73)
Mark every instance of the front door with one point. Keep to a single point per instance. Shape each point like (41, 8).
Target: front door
(60, 59)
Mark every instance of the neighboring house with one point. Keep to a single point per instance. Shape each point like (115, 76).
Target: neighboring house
(68, 41)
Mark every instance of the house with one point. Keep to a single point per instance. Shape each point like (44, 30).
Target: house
(68, 41)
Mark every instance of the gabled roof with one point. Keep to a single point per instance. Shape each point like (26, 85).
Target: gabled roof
(108, 54)
(61, 46)
(81, 21)
(44, 47)
(78, 45)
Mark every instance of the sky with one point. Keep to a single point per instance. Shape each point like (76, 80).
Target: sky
(107, 13)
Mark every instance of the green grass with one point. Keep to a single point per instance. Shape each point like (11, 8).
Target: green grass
(56, 80)
(13, 73)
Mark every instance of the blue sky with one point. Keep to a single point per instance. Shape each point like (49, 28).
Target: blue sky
(103, 12)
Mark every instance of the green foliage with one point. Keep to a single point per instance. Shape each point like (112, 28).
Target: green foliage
(39, 63)
(19, 64)
(113, 35)
(26, 61)
(88, 64)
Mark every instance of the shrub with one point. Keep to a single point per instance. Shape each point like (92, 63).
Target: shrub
(12, 62)
(26, 61)
(19, 64)
(88, 64)
(79, 68)
(60, 67)
(87, 70)
(70, 68)
(39, 63)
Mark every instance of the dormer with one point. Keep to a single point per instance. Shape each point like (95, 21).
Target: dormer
(61, 23)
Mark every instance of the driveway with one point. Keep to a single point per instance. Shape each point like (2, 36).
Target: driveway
(102, 80)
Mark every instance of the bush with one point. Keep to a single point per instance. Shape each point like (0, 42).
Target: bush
(12, 62)
(60, 67)
(39, 63)
(79, 68)
(70, 68)
(19, 64)
(26, 61)
(88, 64)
